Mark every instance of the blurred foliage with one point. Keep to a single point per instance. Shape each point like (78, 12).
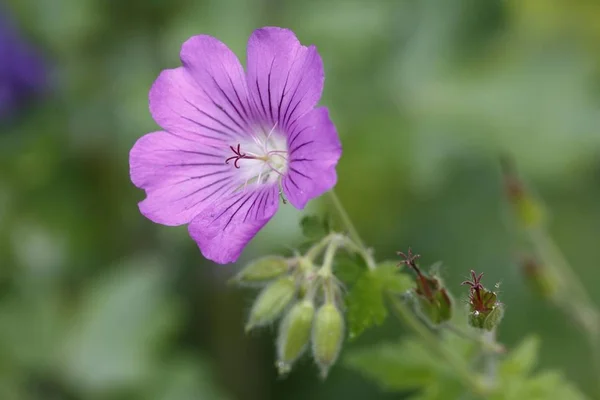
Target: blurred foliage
(98, 303)
(408, 367)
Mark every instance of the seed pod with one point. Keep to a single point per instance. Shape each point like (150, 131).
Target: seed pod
(262, 270)
(294, 334)
(271, 302)
(327, 337)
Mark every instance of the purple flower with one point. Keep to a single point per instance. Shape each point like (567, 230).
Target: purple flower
(234, 141)
(22, 73)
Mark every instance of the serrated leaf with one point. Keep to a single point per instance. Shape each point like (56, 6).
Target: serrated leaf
(395, 366)
(366, 305)
(394, 280)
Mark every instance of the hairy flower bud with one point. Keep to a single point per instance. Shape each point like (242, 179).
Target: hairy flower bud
(433, 301)
(262, 270)
(294, 334)
(327, 336)
(271, 302)
(485, 310)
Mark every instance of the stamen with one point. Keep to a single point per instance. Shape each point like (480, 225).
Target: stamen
(238, 156)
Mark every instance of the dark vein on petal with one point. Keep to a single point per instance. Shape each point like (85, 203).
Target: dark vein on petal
(238, 97)
(262, 204)
(299, 173)
(297, 135)
(269, 89)
(202, 188)
(299, 146)
(293, 182)
(261, 99)
(302, 159)
(236, 211)
(262, 194)
(230, 206)
(231, 130)
(231, 104)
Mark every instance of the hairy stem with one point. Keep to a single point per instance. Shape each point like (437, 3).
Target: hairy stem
(433, 342)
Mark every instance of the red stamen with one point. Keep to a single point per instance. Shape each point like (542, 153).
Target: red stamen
(238, 156)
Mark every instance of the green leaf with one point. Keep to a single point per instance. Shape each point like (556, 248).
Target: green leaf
(315, 227)
(395, 366)
(113, 339)
(394, 281)
(523, 359)
(348, 267)
(366, 305)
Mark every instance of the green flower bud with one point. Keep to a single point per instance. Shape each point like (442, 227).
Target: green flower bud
(294, 334)
(485, 310)
(327, 336)
(494, 317)
(271, 302)
(262, 270)
(539, 278)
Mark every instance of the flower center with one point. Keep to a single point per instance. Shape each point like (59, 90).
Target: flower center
(261, 159)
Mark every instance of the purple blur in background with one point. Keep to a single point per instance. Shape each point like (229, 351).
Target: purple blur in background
(22, 70)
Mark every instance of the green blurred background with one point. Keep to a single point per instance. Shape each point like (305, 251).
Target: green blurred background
(96, 302)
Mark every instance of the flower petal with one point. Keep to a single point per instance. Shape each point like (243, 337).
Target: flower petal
(285, 79)
(207, 98)
(314, 151)
(224, 228)
(181, 177)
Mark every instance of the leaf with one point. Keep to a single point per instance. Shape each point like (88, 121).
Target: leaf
(183, 378)
(523, 359)
(315, 227)
(113, 338)
(348, 267)
(395, 366)
(366, 305)
(394, 281)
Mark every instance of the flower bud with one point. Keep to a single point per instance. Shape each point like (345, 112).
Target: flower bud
(432, 299)
(539, 278)
(262, 270)
(485, 310)
(327, 336)
(529, 212)
(271, 302)
(294, 334)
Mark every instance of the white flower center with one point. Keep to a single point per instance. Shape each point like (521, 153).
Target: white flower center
(262, 159)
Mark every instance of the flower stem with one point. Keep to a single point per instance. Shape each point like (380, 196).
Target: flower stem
(433, 342)
(347, 222)
(573, 297)
(491, 346)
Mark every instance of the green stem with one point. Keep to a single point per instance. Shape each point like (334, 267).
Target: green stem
(433, 342)
(573, 297)
(345, 218)
(493, 347)
(490, 359)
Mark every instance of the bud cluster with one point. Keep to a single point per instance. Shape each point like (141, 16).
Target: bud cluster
(306, 297)
(485, 311)
(432, 299)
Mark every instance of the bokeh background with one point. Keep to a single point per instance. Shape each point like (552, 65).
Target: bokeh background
(97, 302)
